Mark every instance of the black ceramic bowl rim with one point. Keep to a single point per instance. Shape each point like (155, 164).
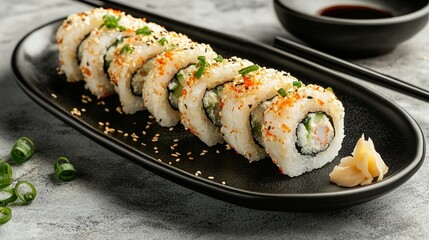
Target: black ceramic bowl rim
(381, 21)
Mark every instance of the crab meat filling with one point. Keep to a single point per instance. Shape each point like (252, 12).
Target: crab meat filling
(314, 133)
(212, 104)
(256, 121)
(139, 76)
(175, 86)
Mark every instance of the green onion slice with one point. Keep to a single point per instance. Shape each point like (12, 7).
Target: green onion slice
(297, 84)
(219, 58)
(330, 89)
(22, 150)
(12, 196)
(249, 69)
(162, 41)
(144, 31)
(111, 22)
(126, 48)
(26, 197)
(5, 180)
(5, 214)
(64, 170)
(5, 168)
(201, 65)
(282, 92)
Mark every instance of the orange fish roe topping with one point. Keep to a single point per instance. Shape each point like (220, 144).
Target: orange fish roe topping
(321, 103)
(86, 71)
(285, 128)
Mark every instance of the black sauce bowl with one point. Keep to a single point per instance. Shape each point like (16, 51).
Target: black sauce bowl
(353, 37)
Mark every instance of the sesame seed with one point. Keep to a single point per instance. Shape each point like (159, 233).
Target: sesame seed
(100, 123)
(217, 151)
(177, 159)
(106, 110)
(210, 177)
(171, 129)
(223, 182)
(191, 158)
(189, 153)
(53, 95)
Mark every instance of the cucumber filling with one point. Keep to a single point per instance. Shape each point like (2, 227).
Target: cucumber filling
(139, 77)
(315, 133)
(256, 121)
(212, 104)
(110, 54)
(175, 86)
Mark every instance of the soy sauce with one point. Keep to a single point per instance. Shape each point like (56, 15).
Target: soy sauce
(355, 12)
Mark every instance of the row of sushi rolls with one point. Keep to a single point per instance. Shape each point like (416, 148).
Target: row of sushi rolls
(258, 111)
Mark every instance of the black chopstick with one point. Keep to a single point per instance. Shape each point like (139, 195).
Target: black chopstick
(351, 69)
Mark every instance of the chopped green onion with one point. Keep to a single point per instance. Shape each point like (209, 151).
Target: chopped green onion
(329, 89)
(126, 48)
(5, 180)
(12, 198)
(144, 31)
(282, 92)
(22, 150)
(297, 84)
(64, 170)
(219, 58)
(201, 65)
(28, 196)
(5, 168)
(249, 69)
(111, 22)
(5, 214)
(162, 41)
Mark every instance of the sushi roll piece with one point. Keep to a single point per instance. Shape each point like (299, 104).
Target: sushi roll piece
(303, 129)
(134, 58)
(200, 103)
(253, 86)
(163, 86)
(93, 64)
(73, 32)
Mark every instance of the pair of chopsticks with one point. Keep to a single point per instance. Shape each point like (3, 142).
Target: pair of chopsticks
(313, 55)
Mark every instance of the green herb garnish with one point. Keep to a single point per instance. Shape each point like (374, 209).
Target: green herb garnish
(329, 89)
(111, 22)
(144, 31)
(126, 48)
(282, 92)
(249, 69)
(162, 41)
(5, 214)
(64, 170)
(201, 65)
(22, 150)
(28, 196)
(219, 58)
(297, 84)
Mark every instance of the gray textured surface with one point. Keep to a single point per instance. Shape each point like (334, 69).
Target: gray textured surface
(103, 203)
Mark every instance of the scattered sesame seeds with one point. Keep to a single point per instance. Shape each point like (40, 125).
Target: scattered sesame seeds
(177, 159)
(75, 112)
(189, 153)
(171, 129)
(191, 158)
(143, 144)
(144, 132)
(100, 123)
(53, 95)
(217, 151)
(107, 110)
(119, 110)
(83, 110)
(223, 182)
(210, 177)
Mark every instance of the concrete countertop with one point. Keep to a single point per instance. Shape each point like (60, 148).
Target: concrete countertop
(103, 203)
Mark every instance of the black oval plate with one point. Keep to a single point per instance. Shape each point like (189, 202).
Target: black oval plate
(217, 171)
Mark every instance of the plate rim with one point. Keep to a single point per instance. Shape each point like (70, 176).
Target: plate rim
(242, 197)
